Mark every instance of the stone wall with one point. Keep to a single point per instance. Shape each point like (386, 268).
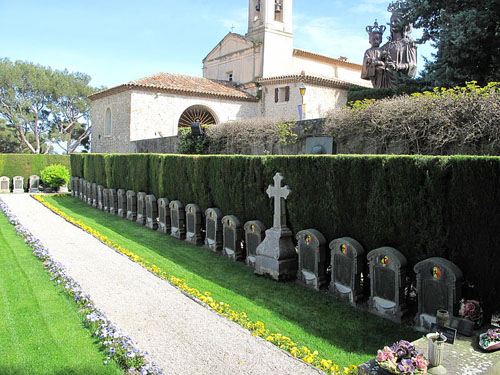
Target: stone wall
(165, 145)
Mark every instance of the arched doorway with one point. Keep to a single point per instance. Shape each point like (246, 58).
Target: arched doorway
(197, 113)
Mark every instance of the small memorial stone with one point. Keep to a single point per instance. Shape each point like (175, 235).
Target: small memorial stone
(141, 208)
(347, 266)
(178, 220)
(151, 212)
(232, 238)
(18, 182)
(93, 194)
(213, 225)
(63, 188)
(387, 283)
(113, 201)
(164, 215)
(100, 197)
(254, 235)
(193, 224)
(312, 258)
(88, 189)
(105, 200)
(122, 203)
(74, 186)
(131, 205)
(4, 184)
(439, 285)
(34, 184)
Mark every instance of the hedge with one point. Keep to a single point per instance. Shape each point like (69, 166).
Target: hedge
(26, 165)
(423, 206)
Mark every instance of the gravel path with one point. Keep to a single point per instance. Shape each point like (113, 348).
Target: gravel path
(182, 336)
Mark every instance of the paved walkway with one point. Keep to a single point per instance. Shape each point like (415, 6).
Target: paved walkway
(182, 336)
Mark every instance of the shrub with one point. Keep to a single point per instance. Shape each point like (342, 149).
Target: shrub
(55, 175)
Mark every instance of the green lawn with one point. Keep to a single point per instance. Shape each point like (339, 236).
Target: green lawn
(40, 329)
(338, 331)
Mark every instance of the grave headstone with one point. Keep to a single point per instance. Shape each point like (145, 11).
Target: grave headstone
(254, 235)
(34, 184)
(439, 287)
(113, 201)
(88, 190)
(141, 208)
(193, 224)
(164, 215)
(387, 283)
(84, 191)
(276, 255)
(347, 259)
(151, 212)
(4, 184)
(82, 185)
(72, 181)
(100, 197)
(18, 182)
(93, 194)
(312, 259)
(131, 205)
(122, 203)
(105, 200)
(177, 220)
(213, 227)
(232, 238)
(63, 188)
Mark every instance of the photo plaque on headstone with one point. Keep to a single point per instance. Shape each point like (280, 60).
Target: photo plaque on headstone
(232, 238)
(141, 208)
(151, 212)
(193, 224)
(122, 203)
(254, 235)
(4, 184)
(213, 226)
(34, 182)
(131, 205)
(312, 259)
(177, 220)
(164, 215)
(18, 182)
(113, 201)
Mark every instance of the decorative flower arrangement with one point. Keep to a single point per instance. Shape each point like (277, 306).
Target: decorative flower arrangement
(490, 340)
(402, 358)
(472, 311)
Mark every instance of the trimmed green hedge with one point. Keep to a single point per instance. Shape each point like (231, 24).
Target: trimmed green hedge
(422, 205)
(26, 165)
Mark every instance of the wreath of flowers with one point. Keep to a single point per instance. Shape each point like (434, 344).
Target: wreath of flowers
(490, 340)
(402, 358)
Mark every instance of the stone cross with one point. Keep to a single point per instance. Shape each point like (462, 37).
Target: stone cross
(279, 194)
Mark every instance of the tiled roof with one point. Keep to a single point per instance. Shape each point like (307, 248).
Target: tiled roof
(181, 85)
(305, 78)
(317, 56)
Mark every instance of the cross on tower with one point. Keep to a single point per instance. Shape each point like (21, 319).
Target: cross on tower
(279, 194)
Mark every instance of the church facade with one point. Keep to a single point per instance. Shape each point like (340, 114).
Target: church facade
(259, 74)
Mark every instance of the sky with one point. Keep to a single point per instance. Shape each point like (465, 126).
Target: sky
(119, 41)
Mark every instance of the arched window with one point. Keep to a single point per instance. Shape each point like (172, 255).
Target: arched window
(197, 113)
(107, 122)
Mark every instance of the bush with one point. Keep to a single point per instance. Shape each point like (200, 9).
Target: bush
(55, 175)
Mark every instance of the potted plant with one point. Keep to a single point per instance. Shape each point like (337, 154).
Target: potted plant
(402, 358)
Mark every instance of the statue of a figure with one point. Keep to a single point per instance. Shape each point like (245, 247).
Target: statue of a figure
(375, 59)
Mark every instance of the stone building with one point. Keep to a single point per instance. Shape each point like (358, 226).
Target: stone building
(256, 75)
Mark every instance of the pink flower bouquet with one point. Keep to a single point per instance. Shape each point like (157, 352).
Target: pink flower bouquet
(490, 340)
(402, 358)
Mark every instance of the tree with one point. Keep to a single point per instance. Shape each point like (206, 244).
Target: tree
(45, 106)
(466, 35)
(9, 142)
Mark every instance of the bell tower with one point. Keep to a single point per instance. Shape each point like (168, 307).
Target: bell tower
(270, 22)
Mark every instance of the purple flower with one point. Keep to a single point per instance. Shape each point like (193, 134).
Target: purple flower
(406, 367)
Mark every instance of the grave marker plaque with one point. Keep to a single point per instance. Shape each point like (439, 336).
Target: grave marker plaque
(254, 235)
(193, 224)
(312, 259)
(178, 220)
(88, 190)
(141, 208)
(122, 203)
(93, 194)
(4, 184)
(151, 212)
(18, 182)
(113, 201)
(105, 200)
(131, 205)
(439, 284)
(232, 238)
(100, 197)
(347, 259)
(387, 283)
(213, 238)
(34, 184)
(164, 215)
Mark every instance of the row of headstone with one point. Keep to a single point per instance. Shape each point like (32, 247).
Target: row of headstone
(18, 184)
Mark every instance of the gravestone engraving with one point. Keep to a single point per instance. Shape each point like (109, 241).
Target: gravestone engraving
(88, 189)
(387, 283)
(131, 205)
(254, 235)
(193, 224)
(100, 197)
(213, 226)
(276, 255)
(141, 208)
(312, 259)
(177, 220)
(34, 182)
(18, 183)
(232, 238)
(439, 285)
(347, 259)
(93, 194)
(151, 212)
(105, 200)
(164, 215)
(113, 201)
(4, 184)
(122, 203)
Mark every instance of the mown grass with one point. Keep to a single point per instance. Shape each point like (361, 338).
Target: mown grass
(339, 332)
(41, 332)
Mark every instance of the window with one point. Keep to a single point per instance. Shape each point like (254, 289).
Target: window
(282, 94)
(230, 76)
(107, 122)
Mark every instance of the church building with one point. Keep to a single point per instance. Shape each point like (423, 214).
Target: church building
(259, 74)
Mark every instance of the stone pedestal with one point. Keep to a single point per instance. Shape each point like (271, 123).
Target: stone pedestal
(276, 255)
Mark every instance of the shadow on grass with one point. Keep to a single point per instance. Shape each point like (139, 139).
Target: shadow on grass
(14, 370)
(339, 324)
